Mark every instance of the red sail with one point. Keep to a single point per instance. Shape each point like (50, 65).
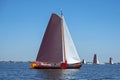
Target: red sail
(51, 47)
(95, 59)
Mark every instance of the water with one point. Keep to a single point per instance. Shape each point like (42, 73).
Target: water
(21, 71)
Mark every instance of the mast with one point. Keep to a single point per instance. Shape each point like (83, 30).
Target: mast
(61, 13)
(63, 40)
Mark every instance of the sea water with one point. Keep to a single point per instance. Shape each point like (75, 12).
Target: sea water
(21, 71)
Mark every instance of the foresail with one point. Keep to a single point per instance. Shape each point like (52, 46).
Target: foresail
(98, 61)
(71, 53)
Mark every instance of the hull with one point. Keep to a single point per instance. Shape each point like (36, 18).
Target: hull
(35, 65)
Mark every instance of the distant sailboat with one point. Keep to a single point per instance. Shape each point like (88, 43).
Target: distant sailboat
(83, 61)
(110, 61)
(57, 49)
(95, 59)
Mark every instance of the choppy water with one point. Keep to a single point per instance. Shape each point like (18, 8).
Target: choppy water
(21, 71)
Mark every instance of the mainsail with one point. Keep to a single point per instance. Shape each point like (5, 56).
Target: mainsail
(51, 47)
(57, 45)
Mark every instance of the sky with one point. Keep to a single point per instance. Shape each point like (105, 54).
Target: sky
(94, 26)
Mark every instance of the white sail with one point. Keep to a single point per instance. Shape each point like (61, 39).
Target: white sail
(98, 61)
(70, 50)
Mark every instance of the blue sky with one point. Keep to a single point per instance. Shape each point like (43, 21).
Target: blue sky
(94, 26)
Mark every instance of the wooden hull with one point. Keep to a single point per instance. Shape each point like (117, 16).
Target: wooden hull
(69, 66)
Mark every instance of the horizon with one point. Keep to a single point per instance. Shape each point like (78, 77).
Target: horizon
(94, 27)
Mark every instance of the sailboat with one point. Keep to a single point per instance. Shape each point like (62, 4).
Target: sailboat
(95, 59)
(110, 60)
(57, 50)
(83, 61)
